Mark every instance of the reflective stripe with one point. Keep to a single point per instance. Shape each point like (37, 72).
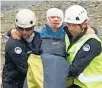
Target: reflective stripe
(82, 78)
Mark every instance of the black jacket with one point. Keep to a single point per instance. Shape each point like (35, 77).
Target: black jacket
(16, 55)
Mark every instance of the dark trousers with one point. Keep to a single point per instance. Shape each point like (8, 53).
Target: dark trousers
(12, 85)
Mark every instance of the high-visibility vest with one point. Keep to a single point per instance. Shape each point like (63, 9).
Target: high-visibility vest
(35, 78)
(91, 77)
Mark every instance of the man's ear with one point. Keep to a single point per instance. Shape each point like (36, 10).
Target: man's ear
(84, 25)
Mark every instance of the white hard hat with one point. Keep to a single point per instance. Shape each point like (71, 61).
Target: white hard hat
(55, 12)
(25, 18)
(75, 14)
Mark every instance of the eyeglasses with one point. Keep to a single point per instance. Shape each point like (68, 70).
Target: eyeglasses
(26, 29)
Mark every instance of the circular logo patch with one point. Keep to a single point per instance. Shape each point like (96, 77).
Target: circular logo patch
(18, 50)
(86, 47)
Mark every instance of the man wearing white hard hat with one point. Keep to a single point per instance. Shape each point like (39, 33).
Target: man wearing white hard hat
(17, 51)
(84, 51)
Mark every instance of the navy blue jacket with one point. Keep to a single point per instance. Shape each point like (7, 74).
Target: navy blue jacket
(16, 54)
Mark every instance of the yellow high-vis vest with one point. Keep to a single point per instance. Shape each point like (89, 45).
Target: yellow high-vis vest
(91, 77)
(35, 75)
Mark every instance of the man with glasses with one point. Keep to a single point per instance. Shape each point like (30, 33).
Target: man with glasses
(17, 51)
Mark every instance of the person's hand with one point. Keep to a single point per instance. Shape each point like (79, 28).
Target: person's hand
(90, 30)
(15, 34)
